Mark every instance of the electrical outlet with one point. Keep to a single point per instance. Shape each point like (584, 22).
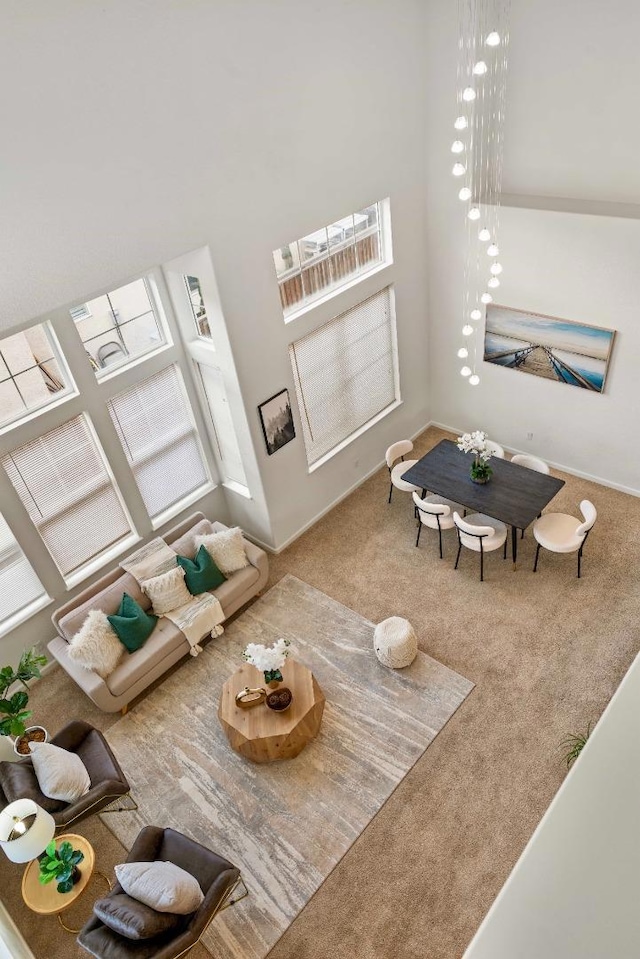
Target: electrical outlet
(529, 436)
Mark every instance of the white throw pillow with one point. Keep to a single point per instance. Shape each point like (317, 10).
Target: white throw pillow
(61, 775)
(161, 885)
(167, 591)
(226, 549)
(95, 646)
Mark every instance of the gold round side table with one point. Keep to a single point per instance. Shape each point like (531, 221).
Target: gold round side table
(46, 900)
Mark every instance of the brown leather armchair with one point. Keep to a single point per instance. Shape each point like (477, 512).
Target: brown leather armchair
(218, 880)
(108, 782)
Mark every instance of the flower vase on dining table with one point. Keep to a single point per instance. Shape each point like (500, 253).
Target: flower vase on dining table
(480, 471)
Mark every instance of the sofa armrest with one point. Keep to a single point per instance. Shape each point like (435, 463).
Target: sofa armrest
(92, 684)
(256, 556)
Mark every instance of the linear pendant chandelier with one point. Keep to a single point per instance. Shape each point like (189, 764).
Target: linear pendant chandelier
(477, 153)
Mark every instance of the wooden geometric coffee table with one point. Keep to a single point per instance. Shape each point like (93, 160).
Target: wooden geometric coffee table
(262, 734)
(46, 900)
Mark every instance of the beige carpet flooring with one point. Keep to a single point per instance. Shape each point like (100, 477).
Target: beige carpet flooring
(285, 825)
(546, 652)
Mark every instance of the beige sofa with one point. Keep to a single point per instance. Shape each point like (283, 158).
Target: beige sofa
(166, 645)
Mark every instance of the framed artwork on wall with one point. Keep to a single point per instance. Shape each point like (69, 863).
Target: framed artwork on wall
(555, 349)
(276, 421)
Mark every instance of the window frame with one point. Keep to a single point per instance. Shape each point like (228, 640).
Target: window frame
(62, 396)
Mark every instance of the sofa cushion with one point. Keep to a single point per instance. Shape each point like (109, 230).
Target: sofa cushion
(185, 544)
(18, 781)
(132, 624)
(106, 598)
(161, 885)
(167, 591)
(236, 585)
(201, 574)
(61, 774)
(164, 640)
(134, 919)
(226, 548)
(95, 646)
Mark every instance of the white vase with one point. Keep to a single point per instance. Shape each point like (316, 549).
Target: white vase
(28, 730)
(7, 755)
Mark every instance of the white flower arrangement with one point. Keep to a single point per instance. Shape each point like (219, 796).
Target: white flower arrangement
(476, 443)
(269, 659)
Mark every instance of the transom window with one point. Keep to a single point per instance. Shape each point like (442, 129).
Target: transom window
(118, 327)
(315, 265)
(32, 373)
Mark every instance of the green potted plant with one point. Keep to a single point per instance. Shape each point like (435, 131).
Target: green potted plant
(60, 864)
(13, 709)
(574, 744)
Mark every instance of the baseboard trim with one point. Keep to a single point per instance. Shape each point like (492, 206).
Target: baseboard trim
(591, 477)
(294, 536)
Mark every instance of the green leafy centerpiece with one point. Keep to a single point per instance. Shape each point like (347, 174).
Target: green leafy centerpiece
(60, 865)
(476, 443)
(270, 659)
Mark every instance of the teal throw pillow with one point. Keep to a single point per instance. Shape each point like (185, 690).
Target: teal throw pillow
(201, 574)
(131, 624)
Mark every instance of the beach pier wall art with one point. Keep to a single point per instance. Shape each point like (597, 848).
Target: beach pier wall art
(555, 349)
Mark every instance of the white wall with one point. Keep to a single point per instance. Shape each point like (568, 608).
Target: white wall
(143, 130)
(569, 97)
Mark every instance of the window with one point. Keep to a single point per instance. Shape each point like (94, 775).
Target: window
(20, 588)
(198, 308)
(32, 373)
(64, 483)
(120, 326)
(225, 435)
(309, 268)
(157, 431)
(345, 373)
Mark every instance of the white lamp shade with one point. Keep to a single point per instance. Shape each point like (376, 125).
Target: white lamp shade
(36, 837)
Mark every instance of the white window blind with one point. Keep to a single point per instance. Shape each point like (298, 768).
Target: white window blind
(63, 481)
(344, 373)
(19, 585)
(156, 428)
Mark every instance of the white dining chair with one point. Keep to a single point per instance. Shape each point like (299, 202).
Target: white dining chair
(397, 451)
(435, 512)
(531, 462)
(495, 449)
(562, 533)
(482, 534)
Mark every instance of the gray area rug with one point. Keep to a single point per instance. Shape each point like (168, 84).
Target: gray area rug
(285, 824)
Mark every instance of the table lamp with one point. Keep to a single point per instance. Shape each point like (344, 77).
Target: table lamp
(25, 830)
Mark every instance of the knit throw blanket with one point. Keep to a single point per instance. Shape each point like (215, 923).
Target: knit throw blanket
(201, 615)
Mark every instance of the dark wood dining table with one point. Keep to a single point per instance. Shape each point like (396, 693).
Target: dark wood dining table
(515, 494)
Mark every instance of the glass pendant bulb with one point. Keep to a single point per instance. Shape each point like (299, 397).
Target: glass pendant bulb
(465, 371)
(474, 213)
(474, 380)
(496, 268)
(467, 330)
(468, 94)
(463, 353)
(480, 68)
(465, 193)
(484, 236)
(461, 123)
(457, 146)
(475, 315)
(492, 250)
(493, 39)
(493, 282)
(486, 298)
(459, 169)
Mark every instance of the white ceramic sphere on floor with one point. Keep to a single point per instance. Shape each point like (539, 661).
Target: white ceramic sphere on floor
(395, 643)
